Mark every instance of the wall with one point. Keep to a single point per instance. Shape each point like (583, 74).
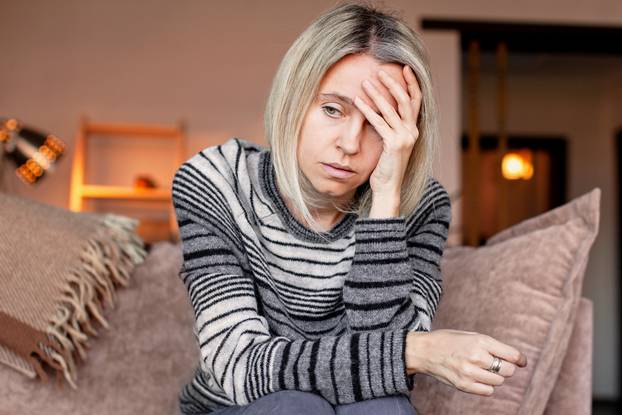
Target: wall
(212, 64)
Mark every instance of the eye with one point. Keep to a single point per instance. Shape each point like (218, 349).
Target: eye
(330, 111)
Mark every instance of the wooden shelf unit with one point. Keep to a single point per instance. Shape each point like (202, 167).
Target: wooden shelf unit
(80, 191)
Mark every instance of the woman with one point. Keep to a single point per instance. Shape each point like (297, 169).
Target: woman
(313, 266)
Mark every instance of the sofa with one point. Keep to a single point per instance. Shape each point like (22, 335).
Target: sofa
(139, 364)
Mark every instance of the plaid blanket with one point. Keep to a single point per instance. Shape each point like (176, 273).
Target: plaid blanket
(58, 273)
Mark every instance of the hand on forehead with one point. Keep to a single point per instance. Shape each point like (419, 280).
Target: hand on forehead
(394, 71)
(347, 75)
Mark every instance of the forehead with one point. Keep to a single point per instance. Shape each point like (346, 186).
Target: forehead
(345, 78)
(351, 70)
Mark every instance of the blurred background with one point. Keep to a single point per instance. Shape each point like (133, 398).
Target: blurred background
(530, 97)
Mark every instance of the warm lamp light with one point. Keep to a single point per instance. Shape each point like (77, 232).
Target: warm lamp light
(33, 152)
(517, 165)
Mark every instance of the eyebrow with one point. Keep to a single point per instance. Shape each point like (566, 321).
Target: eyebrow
(338, 97)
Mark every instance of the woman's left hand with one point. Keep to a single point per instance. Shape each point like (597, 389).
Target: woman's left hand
(399, 132)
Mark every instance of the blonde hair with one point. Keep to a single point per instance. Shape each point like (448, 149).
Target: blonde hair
(349, 28)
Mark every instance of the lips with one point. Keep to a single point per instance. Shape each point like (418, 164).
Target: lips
(341, 167)
(337, 173)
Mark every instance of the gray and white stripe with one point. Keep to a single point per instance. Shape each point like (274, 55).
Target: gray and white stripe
(279, 309)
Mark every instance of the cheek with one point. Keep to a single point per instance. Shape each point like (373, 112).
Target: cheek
(305, 153)
(376, 150)
(374, 156)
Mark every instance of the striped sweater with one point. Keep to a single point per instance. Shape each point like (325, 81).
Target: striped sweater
(278, 308)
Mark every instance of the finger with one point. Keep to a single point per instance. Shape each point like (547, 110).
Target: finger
(506, 369)
(374, 119)
(413, 89)
(506, 352)
(477, 388)
(404, 104)
(487, 377)
(392, 118)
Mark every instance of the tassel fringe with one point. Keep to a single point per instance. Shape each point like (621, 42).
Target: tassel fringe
(106, 263)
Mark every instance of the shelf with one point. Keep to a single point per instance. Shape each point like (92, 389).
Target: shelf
(132, 130)
(150, 230)
(124, 192)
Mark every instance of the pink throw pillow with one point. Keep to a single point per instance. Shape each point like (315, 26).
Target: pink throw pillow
(522, 288)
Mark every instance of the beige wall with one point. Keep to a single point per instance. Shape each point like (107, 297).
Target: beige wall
(212, 63)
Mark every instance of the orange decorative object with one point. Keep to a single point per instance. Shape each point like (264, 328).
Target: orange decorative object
(144, 182)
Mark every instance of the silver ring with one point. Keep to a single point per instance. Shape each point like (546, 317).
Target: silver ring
(495, 366)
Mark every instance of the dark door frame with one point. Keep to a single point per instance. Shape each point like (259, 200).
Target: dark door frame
(533, 38)
(618, 187)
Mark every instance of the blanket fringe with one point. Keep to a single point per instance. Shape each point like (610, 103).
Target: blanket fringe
(106, 263)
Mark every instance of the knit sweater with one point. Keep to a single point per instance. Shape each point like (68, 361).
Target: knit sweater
(276, 307)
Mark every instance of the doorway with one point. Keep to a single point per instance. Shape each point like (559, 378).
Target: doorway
(545, 190)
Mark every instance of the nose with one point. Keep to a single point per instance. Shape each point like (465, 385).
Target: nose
(350, 138)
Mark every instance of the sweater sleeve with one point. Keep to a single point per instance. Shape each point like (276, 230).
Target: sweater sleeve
(240, 358)
(395, 278)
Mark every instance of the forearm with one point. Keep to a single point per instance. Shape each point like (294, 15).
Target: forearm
(395, 280)
(344, 369)
(376, 291)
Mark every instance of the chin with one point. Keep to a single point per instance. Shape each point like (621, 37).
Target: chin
(336, 193)
(338, 189)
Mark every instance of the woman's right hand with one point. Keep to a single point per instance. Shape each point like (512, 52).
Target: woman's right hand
(461, 359)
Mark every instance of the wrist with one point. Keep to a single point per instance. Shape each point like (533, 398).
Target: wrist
(415, 352)
(384, 206)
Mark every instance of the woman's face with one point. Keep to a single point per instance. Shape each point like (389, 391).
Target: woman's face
(335, 131)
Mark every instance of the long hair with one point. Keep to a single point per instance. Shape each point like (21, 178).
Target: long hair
(349, 28)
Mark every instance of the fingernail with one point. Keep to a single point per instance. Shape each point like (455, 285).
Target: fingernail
(382, 73)
(366, 83)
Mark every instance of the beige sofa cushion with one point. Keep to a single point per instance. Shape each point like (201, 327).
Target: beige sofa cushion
(522, 288)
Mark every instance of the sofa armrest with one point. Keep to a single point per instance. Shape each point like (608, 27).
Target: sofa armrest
(572, 394)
